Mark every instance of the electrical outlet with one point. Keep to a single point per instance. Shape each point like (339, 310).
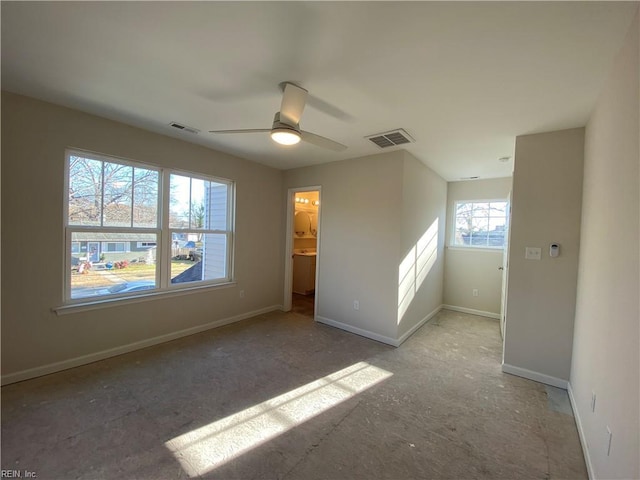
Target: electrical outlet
(475, 292)
(241, 293)
(593, 401)
(356, 305)
(610, 437)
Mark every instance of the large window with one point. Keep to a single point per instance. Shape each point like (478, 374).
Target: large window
(481, 224)
(133, 228)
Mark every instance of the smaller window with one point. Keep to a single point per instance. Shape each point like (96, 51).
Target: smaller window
(75, 247)
(481, 224)
(146, 244)
(114, 247)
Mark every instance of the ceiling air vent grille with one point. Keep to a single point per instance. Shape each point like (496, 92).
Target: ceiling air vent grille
(179, 126)
(391, 139)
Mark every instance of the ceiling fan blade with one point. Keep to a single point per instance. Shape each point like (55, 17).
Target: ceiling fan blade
(323, 142)
(246, 130)
(329, 109)
(293, 101)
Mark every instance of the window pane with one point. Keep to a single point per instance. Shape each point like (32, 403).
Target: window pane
(145, 198)
(85, 191)
(118, 185)
(215, 256)
(186, 257)
(499, 209)
(481, 209)
(111, 263)
(179, 201)
(464, 209)
(198, 256)
(497, 223)
(197, 203)
(463, 230)
(216, 199)
(480, 224)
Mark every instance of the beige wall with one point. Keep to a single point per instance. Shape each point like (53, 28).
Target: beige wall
(373, 209)
(424, 196)
(34, 137)
(546, 206)
(468, 269)
(607, 325)
(361, 200)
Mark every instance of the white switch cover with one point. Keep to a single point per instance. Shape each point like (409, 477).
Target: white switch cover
(532, 253)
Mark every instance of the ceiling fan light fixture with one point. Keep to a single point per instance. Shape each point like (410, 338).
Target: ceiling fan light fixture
(285, 136)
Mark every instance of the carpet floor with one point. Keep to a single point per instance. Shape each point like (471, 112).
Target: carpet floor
(279, 396)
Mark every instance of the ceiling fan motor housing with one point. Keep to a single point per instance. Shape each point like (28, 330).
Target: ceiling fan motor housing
(284, 133)
(280, 125)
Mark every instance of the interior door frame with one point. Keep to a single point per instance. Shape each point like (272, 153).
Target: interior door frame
(505, 276)
(289, 235)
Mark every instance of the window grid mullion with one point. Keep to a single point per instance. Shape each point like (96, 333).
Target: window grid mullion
(190, 196)
(102, 195)
(133, 192)
(164, 253)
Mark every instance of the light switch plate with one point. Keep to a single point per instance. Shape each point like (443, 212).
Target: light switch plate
(532, 253)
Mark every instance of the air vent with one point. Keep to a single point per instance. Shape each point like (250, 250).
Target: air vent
(391, 139)
(184, 127)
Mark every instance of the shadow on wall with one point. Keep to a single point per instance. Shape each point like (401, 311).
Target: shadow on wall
(415, 267)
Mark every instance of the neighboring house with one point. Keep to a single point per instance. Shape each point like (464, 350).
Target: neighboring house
(97, 247)
(491, 238)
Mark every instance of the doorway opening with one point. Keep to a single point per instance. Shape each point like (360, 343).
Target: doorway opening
(303, 242)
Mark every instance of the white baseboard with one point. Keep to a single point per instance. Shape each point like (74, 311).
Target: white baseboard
(581, 435)
(413, 329)
(358, 331)
(112, 352)
(535, 376)
(472, 311)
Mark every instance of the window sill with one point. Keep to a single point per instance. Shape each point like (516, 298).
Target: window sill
(145, 297)
(476, 249)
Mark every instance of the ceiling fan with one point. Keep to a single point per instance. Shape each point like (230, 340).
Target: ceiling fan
(286, 123)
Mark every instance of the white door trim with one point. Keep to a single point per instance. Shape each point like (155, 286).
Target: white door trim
(288, 257)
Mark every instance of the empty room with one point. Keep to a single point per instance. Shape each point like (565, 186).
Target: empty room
(320, 240)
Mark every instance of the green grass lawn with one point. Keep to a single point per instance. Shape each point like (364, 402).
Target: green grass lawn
(135, 271)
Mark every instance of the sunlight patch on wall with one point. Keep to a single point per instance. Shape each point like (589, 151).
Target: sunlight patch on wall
(415, 267)
(204, 449)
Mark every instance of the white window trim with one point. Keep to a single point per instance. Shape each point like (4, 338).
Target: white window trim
(167, 232)
(114, 301)
(454, 208)
(163, 235)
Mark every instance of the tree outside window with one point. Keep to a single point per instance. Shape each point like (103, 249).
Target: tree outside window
(481, 224)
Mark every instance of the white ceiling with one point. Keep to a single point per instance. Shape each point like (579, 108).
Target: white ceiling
(462, 78)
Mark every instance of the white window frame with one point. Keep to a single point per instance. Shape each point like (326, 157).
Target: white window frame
(162, 232)
(454, 245)
(169, 231)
